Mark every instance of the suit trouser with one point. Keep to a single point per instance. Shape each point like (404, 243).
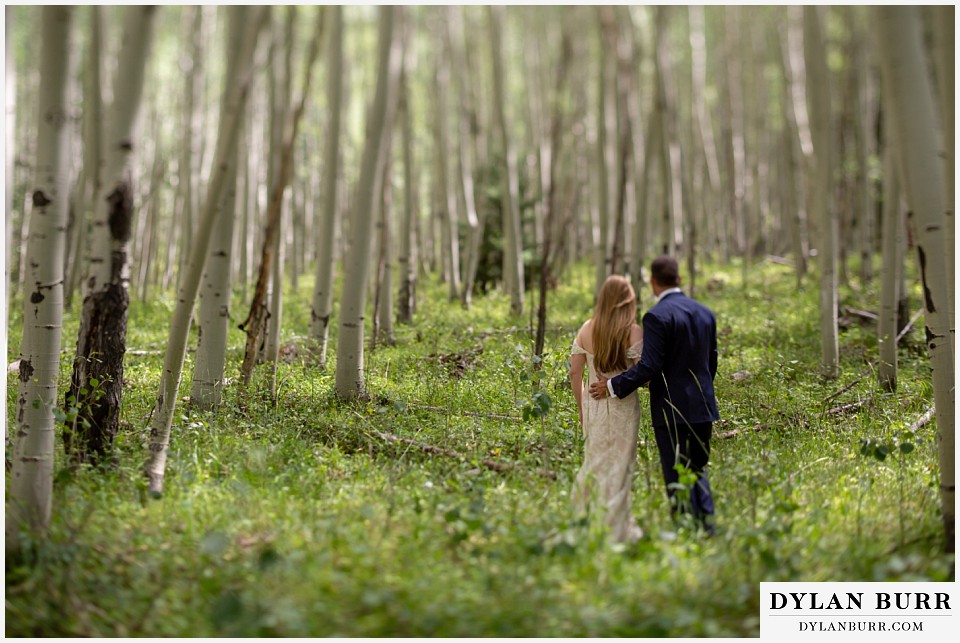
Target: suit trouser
(689, 445)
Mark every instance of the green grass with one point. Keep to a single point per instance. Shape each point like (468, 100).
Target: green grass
(292, 517)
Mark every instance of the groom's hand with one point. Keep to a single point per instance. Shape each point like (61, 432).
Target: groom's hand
(598, 390)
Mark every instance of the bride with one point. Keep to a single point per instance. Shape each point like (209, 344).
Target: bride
(608, 344)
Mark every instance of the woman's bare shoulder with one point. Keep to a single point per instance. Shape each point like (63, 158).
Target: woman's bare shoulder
(584, 336)
(636, 334)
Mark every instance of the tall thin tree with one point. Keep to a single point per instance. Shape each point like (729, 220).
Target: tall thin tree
(97, 383)
(31, 479)
(322, 305)
(349, 382)
(911, 97)
(818, 98)
(231, 115)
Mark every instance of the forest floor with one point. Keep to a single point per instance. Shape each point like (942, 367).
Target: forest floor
(305, 516)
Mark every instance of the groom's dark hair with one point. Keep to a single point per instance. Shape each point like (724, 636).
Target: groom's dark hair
(665, 271)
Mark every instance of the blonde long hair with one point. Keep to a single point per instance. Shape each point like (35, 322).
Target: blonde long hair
(613, 317)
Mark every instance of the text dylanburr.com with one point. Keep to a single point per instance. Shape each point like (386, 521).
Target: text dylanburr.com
(858, 611)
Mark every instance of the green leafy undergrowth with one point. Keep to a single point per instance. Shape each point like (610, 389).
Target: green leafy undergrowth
(438, 507)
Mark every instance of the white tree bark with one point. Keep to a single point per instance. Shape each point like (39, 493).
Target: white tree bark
(444, 203)
(191, 66)
(281, 112)
(944, 56)
(231, 115)
(893, 227)
(818, 98)
(349, 381)
(512, 233)
(322, 305)
(462, 74)
(408, 242)
(11, 105)
(101, 341)
(92, 144)
(911, 96)
(31, 479)
(215, 291)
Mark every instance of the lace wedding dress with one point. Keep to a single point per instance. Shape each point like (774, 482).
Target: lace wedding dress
(610, 426)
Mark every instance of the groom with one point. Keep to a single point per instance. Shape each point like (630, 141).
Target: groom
(679, 362)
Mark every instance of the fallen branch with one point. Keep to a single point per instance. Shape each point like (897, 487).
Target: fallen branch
(492, 416)
(909, 326)
(924, 419)
(783, 261)
(843, 390)
(863, 314)
(852, 406)
(493, 465)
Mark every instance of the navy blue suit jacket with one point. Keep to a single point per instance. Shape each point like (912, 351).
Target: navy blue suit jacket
(679, 362)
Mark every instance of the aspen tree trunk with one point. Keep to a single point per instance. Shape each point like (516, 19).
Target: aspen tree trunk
(513, 242)
(407, 300)
(278, 115)
(818, 98)
(88, 183)
(556, 140)
(794, 198)
(603, 267)
(698, 47)
(322, 305)
(255, 323)
(943, 39)
(11, 116)
(383, 320)
(475, 219)
(101, 343)
(191, 66)
(640, 168)
(864, 127)
(215, 292)
(349, 381)
(619, 262)
(893, 227)
(911, 97)
(651, 147)
(150, 220)
(31, 478)
(250, 21)
(444, 203)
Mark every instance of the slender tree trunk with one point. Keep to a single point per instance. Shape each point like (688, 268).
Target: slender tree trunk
(322, 305)
(818, 98)
(943, 39)
(794, 197)
(11, 117)
(383, 320)
(556, 139)
(279, 114)
(513, 242)
(255, 323)
(231, 115)
(911, 97)
(444, 203)
(215, 292)
(349, 381)
(407, 301)
(893, 226)
(97, 382)
(603, 267)
(191, 66)
(31, 479)
(466, 147)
